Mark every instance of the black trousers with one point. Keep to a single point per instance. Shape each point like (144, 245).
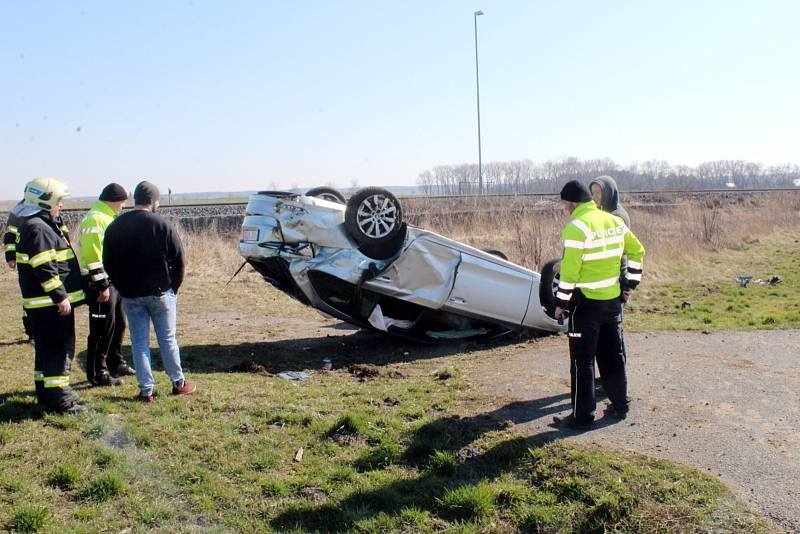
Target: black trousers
(26, 324)
(54, 342)
(106, 329)
(595, 330)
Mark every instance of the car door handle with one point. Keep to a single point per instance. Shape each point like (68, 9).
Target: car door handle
(457, 300)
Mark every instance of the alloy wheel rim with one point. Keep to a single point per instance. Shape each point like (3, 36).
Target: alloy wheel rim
(377, 216)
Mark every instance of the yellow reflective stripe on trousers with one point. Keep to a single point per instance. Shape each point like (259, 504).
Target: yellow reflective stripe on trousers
(44, 302)
(42, 257)
(49, 285)
(56, 381)
(38, 376)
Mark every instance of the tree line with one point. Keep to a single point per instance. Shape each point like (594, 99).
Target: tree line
(526, 176)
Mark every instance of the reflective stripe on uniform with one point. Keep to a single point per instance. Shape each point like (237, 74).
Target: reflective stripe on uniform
(610, 253)
(92, 230)
(580, 225)
(635, 276)
(65, 254)
(98, 277)
(44, 302)
(634, 264)
(569, 243)
(563, 296)
(56, 381)
(42, 257)
(608, 282)
(12, 229)
(605, 241)
(51, 284)
(22, 258)
(11, 247)
(95, 265)
(38, 376)
(565, 285)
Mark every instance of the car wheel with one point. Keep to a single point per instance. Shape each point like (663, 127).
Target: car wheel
(548, 285)
(327, 193)
(497, 253)
(373, 216)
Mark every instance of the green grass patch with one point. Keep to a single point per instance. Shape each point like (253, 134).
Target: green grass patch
(28, 519)
(64, 477)
(104, 487)
(706, 295)
(384, 454)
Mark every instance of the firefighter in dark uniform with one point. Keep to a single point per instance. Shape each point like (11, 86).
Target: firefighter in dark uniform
(10, 238)
(50, 280)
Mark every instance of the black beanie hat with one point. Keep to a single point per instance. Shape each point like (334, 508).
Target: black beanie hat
(575, 191)
(113, 193)
(145, 193)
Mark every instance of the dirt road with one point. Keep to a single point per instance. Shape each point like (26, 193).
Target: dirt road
(727, 403)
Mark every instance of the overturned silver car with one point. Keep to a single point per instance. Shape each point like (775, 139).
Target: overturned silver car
(360, 262)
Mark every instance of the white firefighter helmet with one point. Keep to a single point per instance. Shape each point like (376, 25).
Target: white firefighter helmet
(44, 194)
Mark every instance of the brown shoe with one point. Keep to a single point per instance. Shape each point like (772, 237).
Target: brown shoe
(184, 389)
(147, 399)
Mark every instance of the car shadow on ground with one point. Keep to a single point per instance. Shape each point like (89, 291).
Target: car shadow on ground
(361, 347)
(450, 435)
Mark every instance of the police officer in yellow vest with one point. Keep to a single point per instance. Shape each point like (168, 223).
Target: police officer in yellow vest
(104, 362)
(50, 280)
(589, 293)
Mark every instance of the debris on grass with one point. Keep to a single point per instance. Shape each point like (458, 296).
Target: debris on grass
(298, 376)
(314, 493)
(249, 366)
(467, 453)
(364, 371)
(298, 457)
(249, 428)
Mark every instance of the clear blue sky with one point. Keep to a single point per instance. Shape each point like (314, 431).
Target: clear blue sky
(235, 95)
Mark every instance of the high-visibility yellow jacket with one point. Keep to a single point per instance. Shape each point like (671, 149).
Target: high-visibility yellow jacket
(594, 242)
(90, 243)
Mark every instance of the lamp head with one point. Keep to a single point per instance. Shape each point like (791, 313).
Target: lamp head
(478, 13)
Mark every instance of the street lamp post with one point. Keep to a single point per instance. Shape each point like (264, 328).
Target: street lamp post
(478, 93)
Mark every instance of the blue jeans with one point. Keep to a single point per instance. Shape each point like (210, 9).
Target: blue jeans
(162, 310)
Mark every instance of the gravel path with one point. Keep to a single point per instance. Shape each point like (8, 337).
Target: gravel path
(727, 403)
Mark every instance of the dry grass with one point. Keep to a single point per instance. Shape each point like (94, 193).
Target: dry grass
(671, 233)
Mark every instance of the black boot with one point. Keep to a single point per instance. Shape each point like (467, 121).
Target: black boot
(123, 369)
(105, 380)
(569, 421)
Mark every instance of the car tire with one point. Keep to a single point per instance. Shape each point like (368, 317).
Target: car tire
(548, 284)
(373, 217)
(327, 193)
(497, 253)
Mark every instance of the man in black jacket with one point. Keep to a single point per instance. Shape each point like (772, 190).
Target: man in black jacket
(50, 280)
(143, 258)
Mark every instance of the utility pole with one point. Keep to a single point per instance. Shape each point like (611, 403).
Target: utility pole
(478, 93)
